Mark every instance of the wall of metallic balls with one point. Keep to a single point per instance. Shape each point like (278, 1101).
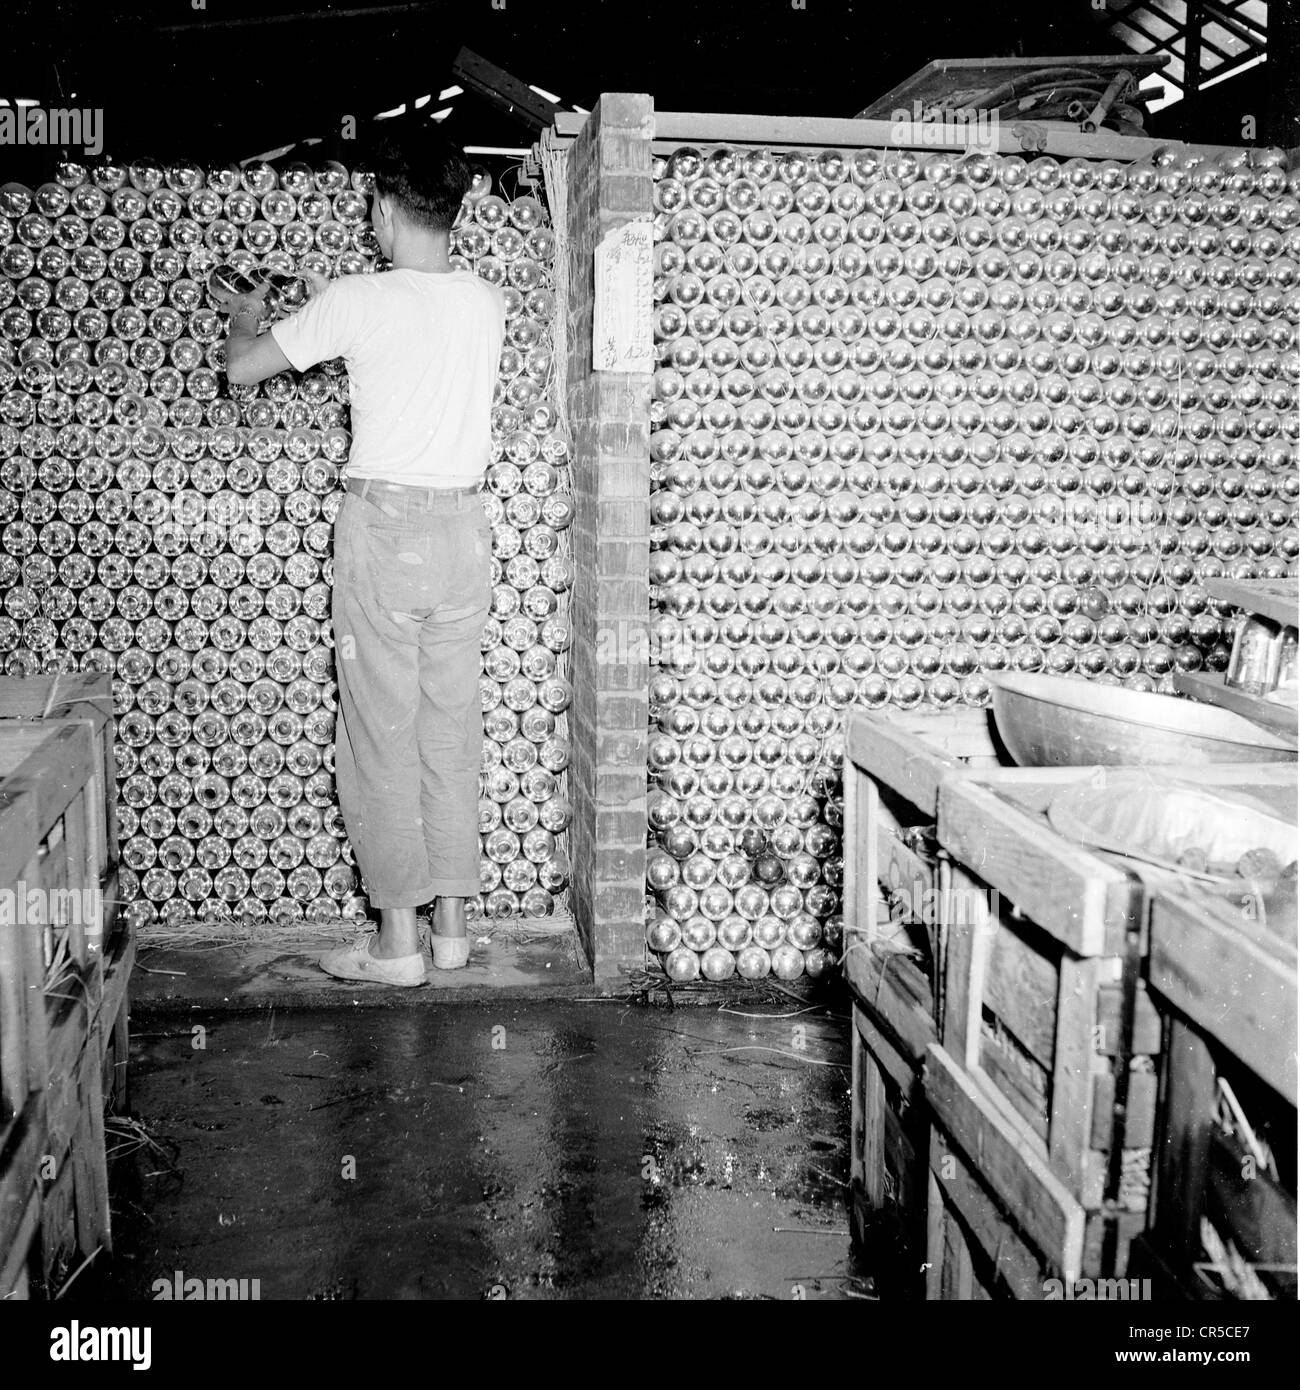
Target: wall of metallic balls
(923, 417)
(161, 525)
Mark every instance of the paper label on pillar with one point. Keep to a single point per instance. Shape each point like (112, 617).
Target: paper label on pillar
(622, 339)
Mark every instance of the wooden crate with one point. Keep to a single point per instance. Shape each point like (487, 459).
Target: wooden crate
(54, 837)
(1229, 984)
(1033, 1036)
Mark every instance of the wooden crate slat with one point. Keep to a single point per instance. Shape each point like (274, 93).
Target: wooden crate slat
(1140, 1122)
(1070, 1125)
(694, 127)
(18, 833)
(1228, 977)
(957, 1185)
(889, 990)
(1021, 988)
(54, 760)
(1029, 1100)
(912, 762)
(1049, 1215)
(1083, 902)
(22, 1145)
(15, 1254)
(84, 696)
(89, 1153)
(901, 1069)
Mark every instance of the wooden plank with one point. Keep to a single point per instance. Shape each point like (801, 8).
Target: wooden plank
(1281, 719)
(828, 132)
(1277, 599)
(15, 1254)
(885, 989)
(503, 90)
(23, 1142)
(1219, 972)
(83, 696)
(1083, 902)
(20, 979)
(118, 964)
(18, 833)
(53, 760)
(38, 1061)
(902, 1069)
(1029, 1101)
(872, 1096)
(857, 1123)
(82, 877)
(1190, 1091)
(909, 762)
(935, 1221)
(94, 1227)
(28, 697)
(1147, 1028)
(70, 1029)
(1021, 987)
(968, 945)
(1140, 1130)
(1013, 1261)
(902, 1167)
(1035, 788)
(1072, 1090)
(58, 1231)
(1007, 1158)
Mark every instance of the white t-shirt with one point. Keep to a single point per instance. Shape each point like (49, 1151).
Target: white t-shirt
(422, 351)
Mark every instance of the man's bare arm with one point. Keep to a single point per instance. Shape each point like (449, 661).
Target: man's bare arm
(251, 356)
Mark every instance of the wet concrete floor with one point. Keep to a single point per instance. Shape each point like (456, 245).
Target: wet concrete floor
(510, 1149)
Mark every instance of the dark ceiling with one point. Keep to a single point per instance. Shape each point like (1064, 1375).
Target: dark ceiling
(237, 78)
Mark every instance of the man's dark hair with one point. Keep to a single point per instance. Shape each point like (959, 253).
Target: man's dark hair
(422, 172)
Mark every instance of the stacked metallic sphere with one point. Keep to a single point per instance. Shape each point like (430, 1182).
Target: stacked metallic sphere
(173, 530)
(921, 417)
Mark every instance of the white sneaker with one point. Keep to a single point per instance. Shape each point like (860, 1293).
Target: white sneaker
(449, 952)
(354, 962)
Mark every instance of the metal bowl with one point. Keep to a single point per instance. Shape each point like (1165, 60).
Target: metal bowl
(1059, 721)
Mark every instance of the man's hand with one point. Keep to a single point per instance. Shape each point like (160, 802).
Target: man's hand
(319, 283)
(250, 357)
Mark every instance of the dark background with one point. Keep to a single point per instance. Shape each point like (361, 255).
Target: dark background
(238, 77)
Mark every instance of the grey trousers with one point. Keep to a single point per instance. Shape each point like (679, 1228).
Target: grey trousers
(412, 585)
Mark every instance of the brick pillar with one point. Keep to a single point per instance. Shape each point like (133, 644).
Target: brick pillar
(609, 183)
